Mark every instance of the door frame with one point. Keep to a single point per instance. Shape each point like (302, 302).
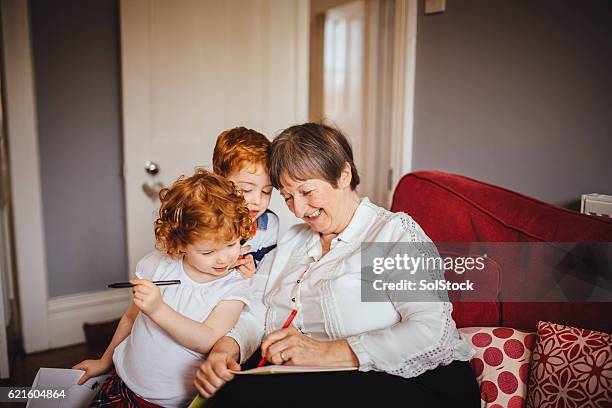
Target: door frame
(24, 164)
(45, 322)
(404, 75)
(400, 108)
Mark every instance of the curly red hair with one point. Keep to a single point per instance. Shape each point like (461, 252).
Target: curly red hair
(203, 206)
(238, 148)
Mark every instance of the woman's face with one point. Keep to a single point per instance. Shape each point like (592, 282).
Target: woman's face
(326, 209)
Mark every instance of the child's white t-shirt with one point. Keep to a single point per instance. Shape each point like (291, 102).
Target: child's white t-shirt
(149, 361)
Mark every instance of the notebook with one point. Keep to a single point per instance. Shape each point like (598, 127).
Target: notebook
(74, 395)
(285, 369)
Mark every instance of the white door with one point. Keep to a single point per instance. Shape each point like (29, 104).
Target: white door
(343, 76)
(193, 68)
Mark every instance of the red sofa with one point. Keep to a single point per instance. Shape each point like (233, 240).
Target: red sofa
(452, 208)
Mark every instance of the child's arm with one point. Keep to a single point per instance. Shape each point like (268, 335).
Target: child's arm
(97, 367)
(196, 336)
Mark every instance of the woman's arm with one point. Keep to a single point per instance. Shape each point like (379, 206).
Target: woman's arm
(422, 340)
(425, 335)
(238, 345)
(215, 370)
(228, 346)
(290, 347)
(103, 364)
(249, 330)
(241, 341)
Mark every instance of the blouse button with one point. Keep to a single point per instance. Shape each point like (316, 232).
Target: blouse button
(293, 300)
(298, 281)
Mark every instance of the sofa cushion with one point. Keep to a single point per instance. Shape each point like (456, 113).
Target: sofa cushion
(468, 314)
(468, 308)
(490, 213)
(501, 364)
(452, 208)
(570, 367)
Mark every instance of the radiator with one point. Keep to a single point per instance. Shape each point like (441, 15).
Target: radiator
(596, 204)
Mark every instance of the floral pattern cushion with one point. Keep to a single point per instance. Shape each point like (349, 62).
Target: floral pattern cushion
(570, 367)
(501, 364)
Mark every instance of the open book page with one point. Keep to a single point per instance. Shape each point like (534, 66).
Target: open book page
(197, 402)
(283, 369)
(73, 395)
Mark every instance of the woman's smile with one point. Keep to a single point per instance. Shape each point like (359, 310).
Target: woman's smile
(312, 217)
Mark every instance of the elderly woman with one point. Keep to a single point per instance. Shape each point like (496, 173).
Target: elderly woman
(403, 351)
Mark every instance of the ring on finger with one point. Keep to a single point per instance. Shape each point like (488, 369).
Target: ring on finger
(283, 356)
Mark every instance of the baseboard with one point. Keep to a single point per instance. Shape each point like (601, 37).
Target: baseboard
(68, 313)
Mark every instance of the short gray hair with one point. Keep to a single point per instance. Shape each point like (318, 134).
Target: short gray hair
(311, 150)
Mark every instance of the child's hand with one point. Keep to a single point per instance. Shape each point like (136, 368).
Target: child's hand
(243, 250)
(146, 296)
(246, 266)
(92, 368)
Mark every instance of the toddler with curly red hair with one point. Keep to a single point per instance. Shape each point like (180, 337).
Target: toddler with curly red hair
(166, 331)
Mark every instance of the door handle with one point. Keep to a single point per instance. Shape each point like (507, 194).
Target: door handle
(152, 189)
(151, 167)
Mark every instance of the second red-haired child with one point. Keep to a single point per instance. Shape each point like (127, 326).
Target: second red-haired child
(242, 156)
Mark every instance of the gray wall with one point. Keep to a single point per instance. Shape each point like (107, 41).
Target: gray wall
(517, 93)
(77, 75)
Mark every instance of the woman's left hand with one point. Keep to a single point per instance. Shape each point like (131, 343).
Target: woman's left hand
(290, 347)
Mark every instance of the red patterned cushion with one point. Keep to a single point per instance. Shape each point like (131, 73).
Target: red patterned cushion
(501, 364)
(571, 367)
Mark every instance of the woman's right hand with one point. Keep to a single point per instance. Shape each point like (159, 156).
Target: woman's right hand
(214, 372)
(92, 368)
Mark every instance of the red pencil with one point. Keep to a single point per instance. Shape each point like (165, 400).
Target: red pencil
(263, 361)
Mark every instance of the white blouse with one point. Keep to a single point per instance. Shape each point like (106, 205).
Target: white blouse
(400, 338)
